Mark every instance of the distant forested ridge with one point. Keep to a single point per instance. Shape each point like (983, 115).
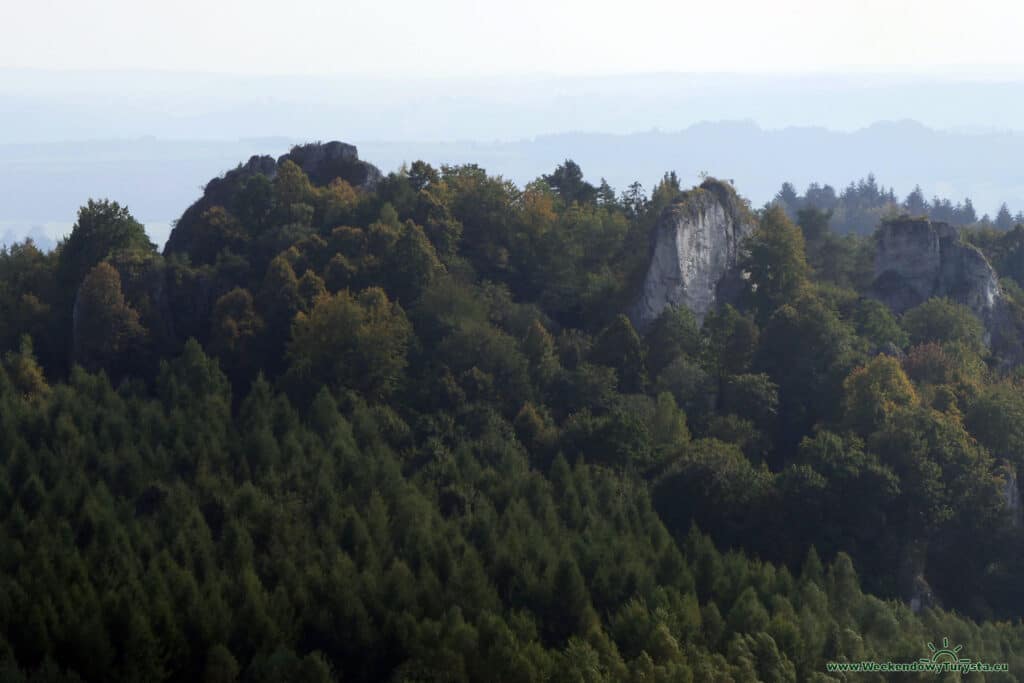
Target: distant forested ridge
(43, 184)
(861, 205)
(361, 427)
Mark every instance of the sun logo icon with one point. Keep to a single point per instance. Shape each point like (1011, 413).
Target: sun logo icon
(946, 653)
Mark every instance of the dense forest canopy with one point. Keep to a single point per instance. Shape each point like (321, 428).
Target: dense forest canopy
(359, 427)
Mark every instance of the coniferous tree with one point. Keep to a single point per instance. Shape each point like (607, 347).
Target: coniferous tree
(106, 328)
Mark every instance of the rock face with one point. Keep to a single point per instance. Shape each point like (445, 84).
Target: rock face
(323, 162)
(1011, 497)
(917, 259)
(695, 248)
(910, 575)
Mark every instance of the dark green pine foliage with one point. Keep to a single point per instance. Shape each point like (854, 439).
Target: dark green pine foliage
(336, 434)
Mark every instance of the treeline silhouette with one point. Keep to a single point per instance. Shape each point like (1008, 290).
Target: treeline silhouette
(861, 205)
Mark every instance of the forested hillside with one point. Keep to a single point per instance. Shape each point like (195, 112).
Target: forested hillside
(356, 427)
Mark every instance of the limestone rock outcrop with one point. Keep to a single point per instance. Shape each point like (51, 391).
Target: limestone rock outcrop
(910, 576)
(1011, 496)
(917, 259)
(695, 248)
(323, 162)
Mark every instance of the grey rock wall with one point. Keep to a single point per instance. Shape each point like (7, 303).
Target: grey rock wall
(917, 259)
(696, 246)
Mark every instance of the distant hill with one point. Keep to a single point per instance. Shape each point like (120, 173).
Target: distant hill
(43, 184)
(982, 166)
(53, 105)
(46, 183)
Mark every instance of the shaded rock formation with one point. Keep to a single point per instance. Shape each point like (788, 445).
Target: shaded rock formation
(913, 585)
(917, 259)
(322, 162)
(1011, 496)
(695, 247)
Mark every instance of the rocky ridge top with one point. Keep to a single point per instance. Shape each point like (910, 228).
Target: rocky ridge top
(322, 162)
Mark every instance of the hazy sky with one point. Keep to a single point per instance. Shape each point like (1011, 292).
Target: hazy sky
(476, 37)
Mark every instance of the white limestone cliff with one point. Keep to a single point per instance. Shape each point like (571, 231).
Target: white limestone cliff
(695, 248)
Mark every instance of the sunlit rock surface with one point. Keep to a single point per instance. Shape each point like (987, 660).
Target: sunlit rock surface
(695, 249)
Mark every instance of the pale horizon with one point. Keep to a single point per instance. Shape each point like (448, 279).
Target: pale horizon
(461, 37)
(513, 90)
